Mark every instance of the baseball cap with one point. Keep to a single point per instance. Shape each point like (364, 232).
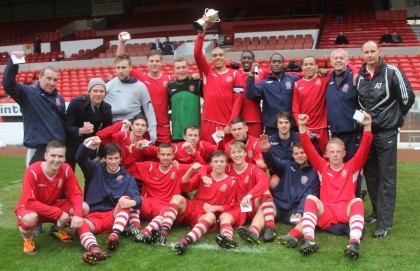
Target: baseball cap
(96, 81)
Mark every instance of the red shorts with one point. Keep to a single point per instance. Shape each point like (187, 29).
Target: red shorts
(152, 207)
(240, 218)
(103, 221)
(63, 204)
(333, 214)
(193, 211)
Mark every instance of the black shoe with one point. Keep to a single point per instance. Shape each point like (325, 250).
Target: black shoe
(179, 248)
(130, 231)
(364, 193)
(225, 242)
(308, 247)
(370, 219)
(143, 238)
(158, 237)
(269, 234)
(288, 241)
(352, 251)
(380, 233)
(248, 236)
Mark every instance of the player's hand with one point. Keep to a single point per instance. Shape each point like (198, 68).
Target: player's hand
(86, 129)
(207, 180)
(264, 143)
(64, 218)
(210, 208)
(296, 216)
(367, 120)
(175, 163)
(126, 202)
(220, 132)
(274, 181)
(92, 142)
(246, 201)
(261, 164)
(254, 67)
(227, 129)
(303, 119)
(196, 76)
(126, 125)
(196, 166)
(76, 222)
(122, 34)
(188, 148)
(323, 72)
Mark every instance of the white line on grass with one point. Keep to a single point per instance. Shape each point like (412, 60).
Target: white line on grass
(241, 249)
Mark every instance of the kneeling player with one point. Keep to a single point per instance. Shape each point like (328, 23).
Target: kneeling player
(111, 194)
(43, 185)
(337, 202)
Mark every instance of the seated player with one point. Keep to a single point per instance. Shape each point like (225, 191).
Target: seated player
(44, 184)
(338, 181)
(252, 192)
(214, 196)
(239, 131)
(298, 180)
(111, 194)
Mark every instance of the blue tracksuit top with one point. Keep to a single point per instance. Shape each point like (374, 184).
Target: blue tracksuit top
(295, 183)
(341, 104)
(43, 113)
(276, 95)
(105, 189)
(281, 148)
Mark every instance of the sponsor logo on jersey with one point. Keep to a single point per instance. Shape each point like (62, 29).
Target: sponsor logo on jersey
(288, 85)
(346, 88)
(135, 93)
(173, 90)
(246, 179)
(344, 173)
(173, 175)
(191, 88)
(60, 183)
(318, 82)
(165, 84)
(250, 153)
(304, 180)
(229, 78)
(223, 188)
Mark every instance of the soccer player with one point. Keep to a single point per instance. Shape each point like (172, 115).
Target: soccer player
(239, 131)
(44, 185)
(338, 180)
(184, 94)
(111, 194)
(222, 89)
(386, 93)
(157, 85)
(252, 192)
(298, 180)
(129, 97)
(213, 197)
(309, 98)
(275, 92)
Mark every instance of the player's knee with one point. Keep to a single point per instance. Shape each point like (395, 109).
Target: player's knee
(226, 218)
(210, 217)
(29, 220)
(85, 208)
(177, 199)
(312, 197)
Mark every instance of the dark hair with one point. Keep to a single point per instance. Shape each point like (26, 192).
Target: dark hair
(192, 126)
(276, 54)
(238, 119)
(121, 57)
(55, 144)
(140, 117)
(111, 149)
(296, 144)
(248, 51)
(293, 66)
(166, 145)
(285, 115)
(217, 154)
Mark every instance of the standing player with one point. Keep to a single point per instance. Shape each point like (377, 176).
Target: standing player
(222, 88)
(252, 192)
(157, 85)
(44, 185)
(275, 92)
(111, 194)
(184, 94)
(386, 93)
(213, 197)
(336, 203)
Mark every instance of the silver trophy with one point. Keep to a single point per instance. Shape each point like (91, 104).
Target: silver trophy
(210, 15)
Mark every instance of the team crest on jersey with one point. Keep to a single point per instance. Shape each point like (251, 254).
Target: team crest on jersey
(135, 93)
(119, 178)
(288, 85)
(318, 82)
(223, 188)
(165, 83)
(191, 88)
(346, 88)
(344, 173)
(250, 153)
(304, 180)
(57, 101)
(229, 79)
(173, 175)
(246, 179)
(60, 183)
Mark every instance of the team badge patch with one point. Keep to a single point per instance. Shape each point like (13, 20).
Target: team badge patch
(346, 88)
(223, 188)
(119, 178)
(288, 85)
(304, 180)
(60, 183)
(344, 173)
(246, 179)
(229, 78)
(250, 153)
(165, 83)
(191, 88)
(57, 101)
(173, 175)
(318, 82)
(135, 93)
